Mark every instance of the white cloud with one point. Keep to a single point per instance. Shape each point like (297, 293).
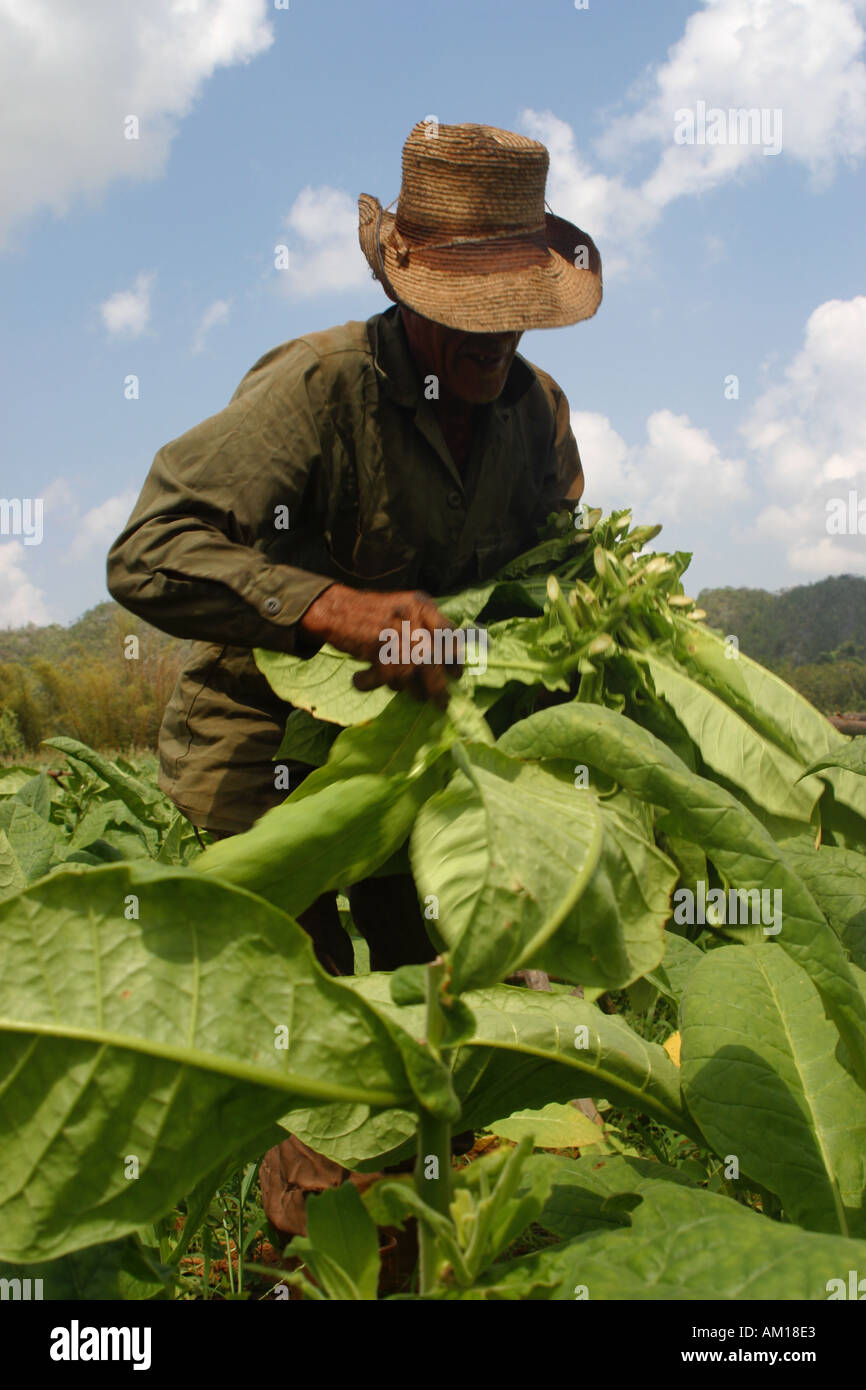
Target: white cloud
(794, 56)
(72, 74)
(677, 473)
(808, 433)
(805, 441)
(791, 55)
(101, 525)
(326, 221)
(604, 207)
(20, 600)
(214, 314)
(126, 314)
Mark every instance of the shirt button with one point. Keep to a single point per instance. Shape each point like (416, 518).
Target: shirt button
(272, 605)
(455, 499)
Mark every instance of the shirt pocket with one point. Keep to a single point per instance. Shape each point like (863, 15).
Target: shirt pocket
(374, 561)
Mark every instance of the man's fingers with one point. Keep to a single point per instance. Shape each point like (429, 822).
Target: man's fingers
(426, 654)
(401, 677)
(369, 679)
(435, 685)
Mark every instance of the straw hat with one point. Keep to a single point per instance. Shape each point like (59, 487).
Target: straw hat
(470, 244)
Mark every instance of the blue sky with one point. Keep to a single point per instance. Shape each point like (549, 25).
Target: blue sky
(259, 126)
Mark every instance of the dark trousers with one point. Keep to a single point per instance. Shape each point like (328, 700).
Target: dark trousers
(385, 912)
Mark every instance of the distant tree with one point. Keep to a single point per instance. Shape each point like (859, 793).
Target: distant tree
(11, 743)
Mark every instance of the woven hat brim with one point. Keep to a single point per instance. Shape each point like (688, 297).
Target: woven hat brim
(552, 293)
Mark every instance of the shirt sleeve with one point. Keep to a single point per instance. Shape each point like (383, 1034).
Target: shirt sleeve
(192, 559)
(563, 479)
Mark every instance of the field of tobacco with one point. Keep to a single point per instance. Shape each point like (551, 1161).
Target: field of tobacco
(617, 797)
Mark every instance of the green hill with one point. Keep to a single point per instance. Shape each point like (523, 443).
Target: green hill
(810, 623)
(813, 635)
(87, 681)
(97, 634)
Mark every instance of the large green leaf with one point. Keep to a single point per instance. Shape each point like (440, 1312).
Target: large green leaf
(144, 801)
(353, 1134)
(322, 684)
(13, 778)
(764, 699)
(35, 842)
(698, 809)
(671, 976)
(114, 822)
(401, 741)
(836, 878)
(506, 850)
(306, 739)
(341, 1247)
(553, 1126)
(465, 606)
(731, 747)
(347, 817)
(12, 878)
(585, 1192)
(547, 554)
(158, 1037)
(615, 934)
(529, 1048)
(844, 767)
(851, 755)
(683, 1243)
(761, 1078)
(121, 1269)
(37, 794)
(300, 850)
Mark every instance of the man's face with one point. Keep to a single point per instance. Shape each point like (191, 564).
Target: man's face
(471, 366)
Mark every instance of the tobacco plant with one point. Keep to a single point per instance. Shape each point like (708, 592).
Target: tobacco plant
(612, 764)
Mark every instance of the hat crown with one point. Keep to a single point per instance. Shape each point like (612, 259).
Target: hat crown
(470, 181)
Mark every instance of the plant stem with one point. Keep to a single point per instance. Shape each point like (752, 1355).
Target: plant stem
(162, 1239)
(240, 1233)
(433, 1163)
(227, 1230)
(206, 1243)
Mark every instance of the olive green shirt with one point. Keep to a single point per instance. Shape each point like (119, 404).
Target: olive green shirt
(328, 464)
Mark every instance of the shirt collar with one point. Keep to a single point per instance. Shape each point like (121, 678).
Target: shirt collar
(396, 368)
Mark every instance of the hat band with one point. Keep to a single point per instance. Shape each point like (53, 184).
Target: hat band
(474, 254)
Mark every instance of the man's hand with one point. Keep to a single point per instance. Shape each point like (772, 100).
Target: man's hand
(354, 621)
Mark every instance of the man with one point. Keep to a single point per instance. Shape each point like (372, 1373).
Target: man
(355, 472)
